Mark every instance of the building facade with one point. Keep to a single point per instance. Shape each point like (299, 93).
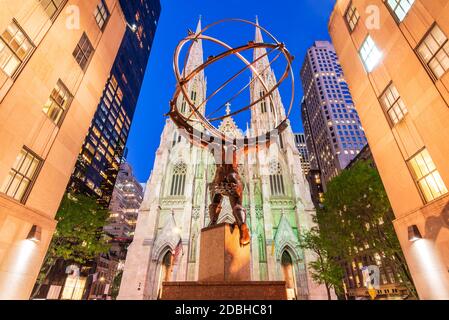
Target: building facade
(124, 207)
(301, 145)
(104, 146)
(55, 57)
(176, 200)
(395, 58)
(335, 135)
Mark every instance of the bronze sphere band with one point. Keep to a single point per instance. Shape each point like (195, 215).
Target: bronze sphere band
(183, 122)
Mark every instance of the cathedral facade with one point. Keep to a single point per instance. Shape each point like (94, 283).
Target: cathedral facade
(166, 245)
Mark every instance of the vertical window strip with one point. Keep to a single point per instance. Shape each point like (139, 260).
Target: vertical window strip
(427, 176)
(393, 104)
(101, 14)
(58, 102)
(434, 51)
(21, 175)
(15, 47)
(352, 17)
(83, 51)
(400, 7)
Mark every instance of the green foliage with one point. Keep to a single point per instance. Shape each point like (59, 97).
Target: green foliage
(78, 237)
(324, 270)
(357, 217)
(79, 234)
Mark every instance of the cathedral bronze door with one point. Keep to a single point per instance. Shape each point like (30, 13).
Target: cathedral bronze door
(289, 275)
(166, 270)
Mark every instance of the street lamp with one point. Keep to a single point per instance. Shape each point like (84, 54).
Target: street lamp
(413, 233)
(35, 233)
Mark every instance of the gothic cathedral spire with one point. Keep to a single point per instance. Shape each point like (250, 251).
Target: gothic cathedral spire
(266, 114)
(197, 87)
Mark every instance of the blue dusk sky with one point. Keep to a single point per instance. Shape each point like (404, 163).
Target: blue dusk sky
(297, 23)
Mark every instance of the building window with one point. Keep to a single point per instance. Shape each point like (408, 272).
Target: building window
(393, 104)
(193, 96)
(352, 17)
(370, 54)
(434, 50)
(57, 104)
(51, 6)
(427, 176)
(14, 48)
(183, 106)
(263, 103)
(276, 179)
(83, 51)
(22, 175)
(178, 179)
(101, 14)
(400, 7)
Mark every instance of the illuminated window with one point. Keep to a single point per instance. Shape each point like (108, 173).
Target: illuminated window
(22, 175)
(276, 179)
(14, 48)
(51, 6)
(96, 131)
(73, 288)
(400, 7)
(87, 157)
(427, 176)
(101, 14)
(178, 179)
(393, 104)
(113, 83)
(57, 103)
(370, 54)
(90, 184)
(83, 51)
(119, 95)
(352, 16)
(90, 148)
(434, 50)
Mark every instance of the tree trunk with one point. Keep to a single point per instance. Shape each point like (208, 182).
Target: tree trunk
(329, 297)
(41, 282)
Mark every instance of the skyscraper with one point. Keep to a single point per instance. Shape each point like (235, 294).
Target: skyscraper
(124, 207)
(53, 67)
(398, 73)
(301, 145)
(176, 201)
(333, 131)
(104, 146)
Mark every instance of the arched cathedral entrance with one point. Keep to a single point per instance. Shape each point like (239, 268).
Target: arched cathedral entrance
(288, 271)
(166, 270)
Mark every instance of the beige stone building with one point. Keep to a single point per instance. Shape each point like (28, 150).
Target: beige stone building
(395, 56)
(55, 57)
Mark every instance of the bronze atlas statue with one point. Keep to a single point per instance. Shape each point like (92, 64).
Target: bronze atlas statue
(198, 128)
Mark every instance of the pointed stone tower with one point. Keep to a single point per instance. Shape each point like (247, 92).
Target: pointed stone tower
(175, 206)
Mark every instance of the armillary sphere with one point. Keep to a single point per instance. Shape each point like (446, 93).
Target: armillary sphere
(211, 134)
(227, 181)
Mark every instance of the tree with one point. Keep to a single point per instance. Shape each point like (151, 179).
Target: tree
(324, 270)
(357, 217)
(78, 237)
(116, 285)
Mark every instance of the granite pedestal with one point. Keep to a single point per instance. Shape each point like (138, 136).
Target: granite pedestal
(224, 272)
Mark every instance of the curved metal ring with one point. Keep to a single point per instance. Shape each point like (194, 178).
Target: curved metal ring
(183, 122)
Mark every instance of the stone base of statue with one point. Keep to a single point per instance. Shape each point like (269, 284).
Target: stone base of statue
(224, 272)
